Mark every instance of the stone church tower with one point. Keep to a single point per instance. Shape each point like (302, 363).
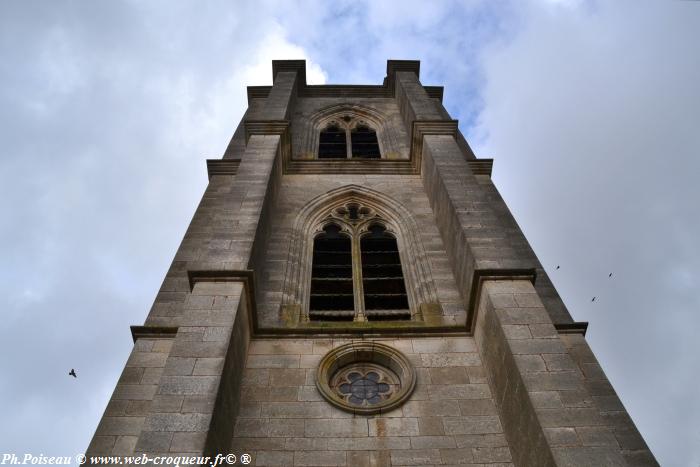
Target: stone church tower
(352, 290)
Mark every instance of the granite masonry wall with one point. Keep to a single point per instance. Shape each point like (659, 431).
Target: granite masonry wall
(450, 418)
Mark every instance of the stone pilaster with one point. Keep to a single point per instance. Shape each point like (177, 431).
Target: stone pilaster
(193, 402)
(477, 227)
(556, 405)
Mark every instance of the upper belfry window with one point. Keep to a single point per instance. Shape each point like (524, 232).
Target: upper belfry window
(364, 143)
(348, 138)
(332, 143)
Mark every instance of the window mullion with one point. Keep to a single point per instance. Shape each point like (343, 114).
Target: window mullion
(348, 144)
(358, 288)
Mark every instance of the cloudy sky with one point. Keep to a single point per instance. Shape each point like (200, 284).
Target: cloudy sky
(108, 110)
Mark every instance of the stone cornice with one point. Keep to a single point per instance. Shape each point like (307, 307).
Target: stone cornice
(434, 92)
(481, 166)
(394, 66)
(265, 127)
(577, 327)
(481, 275)
(245, 276)
(222, 167)
(422, 128)
(298, 66)
(258, 92)
(153, 332)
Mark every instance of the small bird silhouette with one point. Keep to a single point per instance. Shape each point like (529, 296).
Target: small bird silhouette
(72, 373)
(557, 266)
(610, 275)
(593, 299)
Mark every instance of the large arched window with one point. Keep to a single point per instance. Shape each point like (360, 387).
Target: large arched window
(348, 138)
(356, 272)
(382, 278)
(331, 276)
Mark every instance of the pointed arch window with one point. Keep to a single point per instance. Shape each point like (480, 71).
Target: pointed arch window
(348, 138)
(331, 276)
(332, 143)
(382, 278)
(356, 271)
(364, 143)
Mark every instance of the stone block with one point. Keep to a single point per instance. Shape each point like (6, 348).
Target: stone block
(198, 403)
(153, 441)
(553, 381)
(287, 377)
(434, 442)
(178, 366)
(430, 426)
(251, 428)
(536, 346)
(530, 363)
(444, 345)
(188, 385)
(320, 458)
(431, 360)
(255, 377)
(477, 407)
(393, 427)
(120, 426)
(588, 456)
(453, 375)
(562, 436)
(280, 347)
(333, 428)
(559, 362)
(437, 408)
(286, 427)
(472, 425)
(265, 458)
(415, 457)
(188, 442)
(485, 440)
(369, 443)
(284, 393)
(574, 417)
(491, 455)
(458, 391)
(546, 399)
(273, 361)
(177, 422)
(208, 366)
(124, 445)
(146, 360)
(596, 436)
(306, 444)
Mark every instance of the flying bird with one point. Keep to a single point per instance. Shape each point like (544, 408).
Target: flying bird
(593, 299)
(557, 266)
(72, 373)
(610, 275)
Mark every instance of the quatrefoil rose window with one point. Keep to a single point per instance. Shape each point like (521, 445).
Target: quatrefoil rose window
(365, 385)
(365, 378)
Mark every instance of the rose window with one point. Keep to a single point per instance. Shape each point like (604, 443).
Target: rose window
(365, 378)
(365, 385)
